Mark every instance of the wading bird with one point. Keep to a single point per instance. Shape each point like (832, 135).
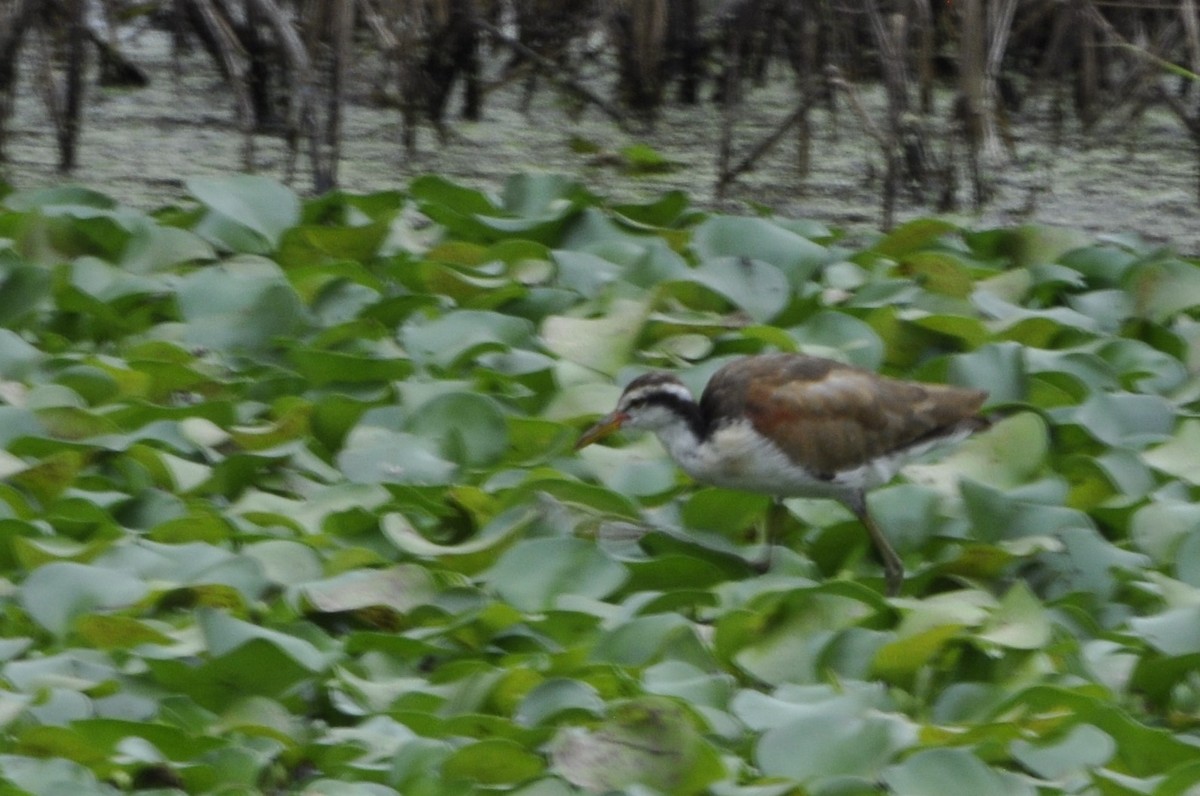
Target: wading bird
(790, 425)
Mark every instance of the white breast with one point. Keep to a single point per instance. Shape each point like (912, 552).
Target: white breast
(736, 457)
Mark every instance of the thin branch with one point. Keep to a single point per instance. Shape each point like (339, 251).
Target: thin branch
(552, 72)
(767, 143)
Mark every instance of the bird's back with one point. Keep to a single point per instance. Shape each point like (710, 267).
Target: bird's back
(829, 417)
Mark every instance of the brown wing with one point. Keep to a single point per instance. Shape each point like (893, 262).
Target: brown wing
(829, 417)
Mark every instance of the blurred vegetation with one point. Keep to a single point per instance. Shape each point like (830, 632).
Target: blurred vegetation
(288, 504)
(288, 68)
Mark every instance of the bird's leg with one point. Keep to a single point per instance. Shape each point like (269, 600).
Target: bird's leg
(893, 567)
(768, 532)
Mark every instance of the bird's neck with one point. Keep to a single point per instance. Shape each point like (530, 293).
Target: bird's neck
(684, 437)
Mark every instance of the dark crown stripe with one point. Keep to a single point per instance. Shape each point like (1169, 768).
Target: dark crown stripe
(677, 404)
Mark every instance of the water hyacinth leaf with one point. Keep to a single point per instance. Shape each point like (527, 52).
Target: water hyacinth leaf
(901, 659)
(224, 634)
(971, 331)
(1175, 632)
(56, 594)
(940, 272)
(1012, 452)
(22, 288)
(603, 344)
(757, 288)
(118, 632)
(663, 211)
(535, 573)
(309, 245)
(451, 339)
(784, 644)
(1082, 749)
(833, 739)
(554, 697)
(759, 239)
(1100, 264)
(156, 248)
(1165, 287)
(1141, 750)
(1019, 622)
(998, 368)
(472, 555)
(284, 562)
(246, 213)
(242, 304)
(722, 511)
(18, 357)
(468, 428)
(912, 236)
(1187, 559)
(400, 588)
(375, 455)
(640, 469)
(32, 774)
(642, 640)
(1087, 562)
(585, 273)
(1177, 456)
(1158, 528)
(1126, 420)
(71, 198)
(649, 741)
(951, 771)
(493, 762)
(541, 195)
(840, 336)
(1142, 367)
(338, 367)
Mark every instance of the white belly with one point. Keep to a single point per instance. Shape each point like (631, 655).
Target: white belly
(737, 458)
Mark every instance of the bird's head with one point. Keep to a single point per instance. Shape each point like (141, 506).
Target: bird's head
(651, 402)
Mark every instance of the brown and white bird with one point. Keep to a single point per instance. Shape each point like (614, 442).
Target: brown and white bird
(790, 425)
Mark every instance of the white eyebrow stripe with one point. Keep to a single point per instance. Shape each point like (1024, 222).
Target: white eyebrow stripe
(673, 388)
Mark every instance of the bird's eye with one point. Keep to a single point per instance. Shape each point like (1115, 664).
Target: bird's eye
(637, 403)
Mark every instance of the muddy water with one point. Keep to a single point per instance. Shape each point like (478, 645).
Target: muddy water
(140, 145)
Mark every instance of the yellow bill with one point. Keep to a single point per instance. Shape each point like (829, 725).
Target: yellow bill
(602, 428)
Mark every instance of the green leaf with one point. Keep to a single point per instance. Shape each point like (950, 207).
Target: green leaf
(400, 588)
(762, 240)
(951, 771)
(457, 337)
(756, 287)
(243, 304)
(468, 428)
(603, 344)
(493, 761)
(1020, 622)
(551, 698)
(648, 740)
(246, 213)
(375, 455)
(1177, 456)
(1163, 288)
(1174, 632)
(57, 594)
(912, 236)
(834, 738)
(535, 573)
(1081, 750)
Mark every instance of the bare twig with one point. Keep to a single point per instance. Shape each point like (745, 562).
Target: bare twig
(12, 31)
(552, 72)
(232, 58)
(300, 122)
(731, 173)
